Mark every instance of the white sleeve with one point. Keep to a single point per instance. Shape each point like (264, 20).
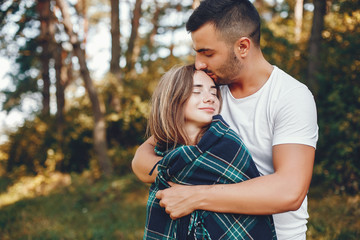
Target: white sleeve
(296, 118)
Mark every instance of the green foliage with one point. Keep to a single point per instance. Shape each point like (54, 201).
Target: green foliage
(35, 145)
(38, 143)
(26, 145)
(25, 72)
(77, 148)
(26, 76)
(338, 103)
(278, 50)
(4, 183)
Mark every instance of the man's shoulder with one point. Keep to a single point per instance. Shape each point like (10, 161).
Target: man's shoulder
(285, 84)
(286, 80)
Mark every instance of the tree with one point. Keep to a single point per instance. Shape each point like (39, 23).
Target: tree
(315, 44)
(115, 38)
(46, 40)
(115, 81)
(63, 71)
(298, 14)
(135, 23)
(99, 131)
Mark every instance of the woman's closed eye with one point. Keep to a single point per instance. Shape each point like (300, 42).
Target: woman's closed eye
(213, 91)
(197, 89)
(199, 92)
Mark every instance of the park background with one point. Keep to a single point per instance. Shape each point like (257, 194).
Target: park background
(76, 81)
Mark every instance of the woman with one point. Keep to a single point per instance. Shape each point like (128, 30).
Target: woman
(198, 147)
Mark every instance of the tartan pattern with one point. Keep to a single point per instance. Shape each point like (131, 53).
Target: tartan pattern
(219, 158)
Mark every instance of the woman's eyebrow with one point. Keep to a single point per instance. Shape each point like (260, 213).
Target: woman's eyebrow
(200, 85)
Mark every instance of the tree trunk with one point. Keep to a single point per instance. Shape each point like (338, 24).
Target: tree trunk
(115, 38)
(43, 8)
(60, 73)
(60, 88)
(100, 143)
(315, 44)
(115, 81)
(151, 37)
(81, 9)
(155, 23)
(45, 59)
(298, 12)
(63, 78)
(135, 22)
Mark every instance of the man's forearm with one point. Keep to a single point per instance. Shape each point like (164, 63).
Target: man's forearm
(260, 196)
(279, 192)
(263, 195)
(144, 160)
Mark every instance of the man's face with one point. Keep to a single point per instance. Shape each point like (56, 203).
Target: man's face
(214, 56)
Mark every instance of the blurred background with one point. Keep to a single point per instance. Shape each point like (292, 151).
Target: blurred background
(75, 82)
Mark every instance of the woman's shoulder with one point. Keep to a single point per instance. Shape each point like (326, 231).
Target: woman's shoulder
(219, 120)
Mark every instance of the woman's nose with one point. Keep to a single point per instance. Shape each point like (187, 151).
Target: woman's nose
(209, 98)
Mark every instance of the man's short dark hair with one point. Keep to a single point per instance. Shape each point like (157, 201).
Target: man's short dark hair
(232, 19)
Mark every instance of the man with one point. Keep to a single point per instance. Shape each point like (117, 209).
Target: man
(273, 113)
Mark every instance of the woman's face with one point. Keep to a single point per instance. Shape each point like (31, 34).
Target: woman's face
(203, 103)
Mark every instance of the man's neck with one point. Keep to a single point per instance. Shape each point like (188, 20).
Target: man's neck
(252, 80)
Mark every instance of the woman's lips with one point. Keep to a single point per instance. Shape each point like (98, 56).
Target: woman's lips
(208, 109)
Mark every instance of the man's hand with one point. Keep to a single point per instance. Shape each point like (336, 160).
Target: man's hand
(178, 200)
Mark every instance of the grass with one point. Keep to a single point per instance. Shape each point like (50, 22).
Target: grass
(333, 216)
(84, 208)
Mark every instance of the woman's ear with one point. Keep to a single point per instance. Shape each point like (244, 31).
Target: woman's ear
(242, 46)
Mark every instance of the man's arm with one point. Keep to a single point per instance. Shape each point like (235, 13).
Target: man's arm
(282, 191)
(144, 160)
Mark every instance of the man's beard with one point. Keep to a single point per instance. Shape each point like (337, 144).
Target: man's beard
(228, 71)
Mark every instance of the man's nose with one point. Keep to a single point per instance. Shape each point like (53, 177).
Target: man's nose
(199, 65)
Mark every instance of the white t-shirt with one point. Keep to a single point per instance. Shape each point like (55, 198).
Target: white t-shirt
(282, 111)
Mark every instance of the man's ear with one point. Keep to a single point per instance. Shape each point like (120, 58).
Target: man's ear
(242, 46)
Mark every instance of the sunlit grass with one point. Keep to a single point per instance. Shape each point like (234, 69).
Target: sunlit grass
(85, 209)
(333, 216)
(30, 187)
(81, 207)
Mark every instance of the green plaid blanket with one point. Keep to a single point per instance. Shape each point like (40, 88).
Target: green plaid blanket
(219, 158)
